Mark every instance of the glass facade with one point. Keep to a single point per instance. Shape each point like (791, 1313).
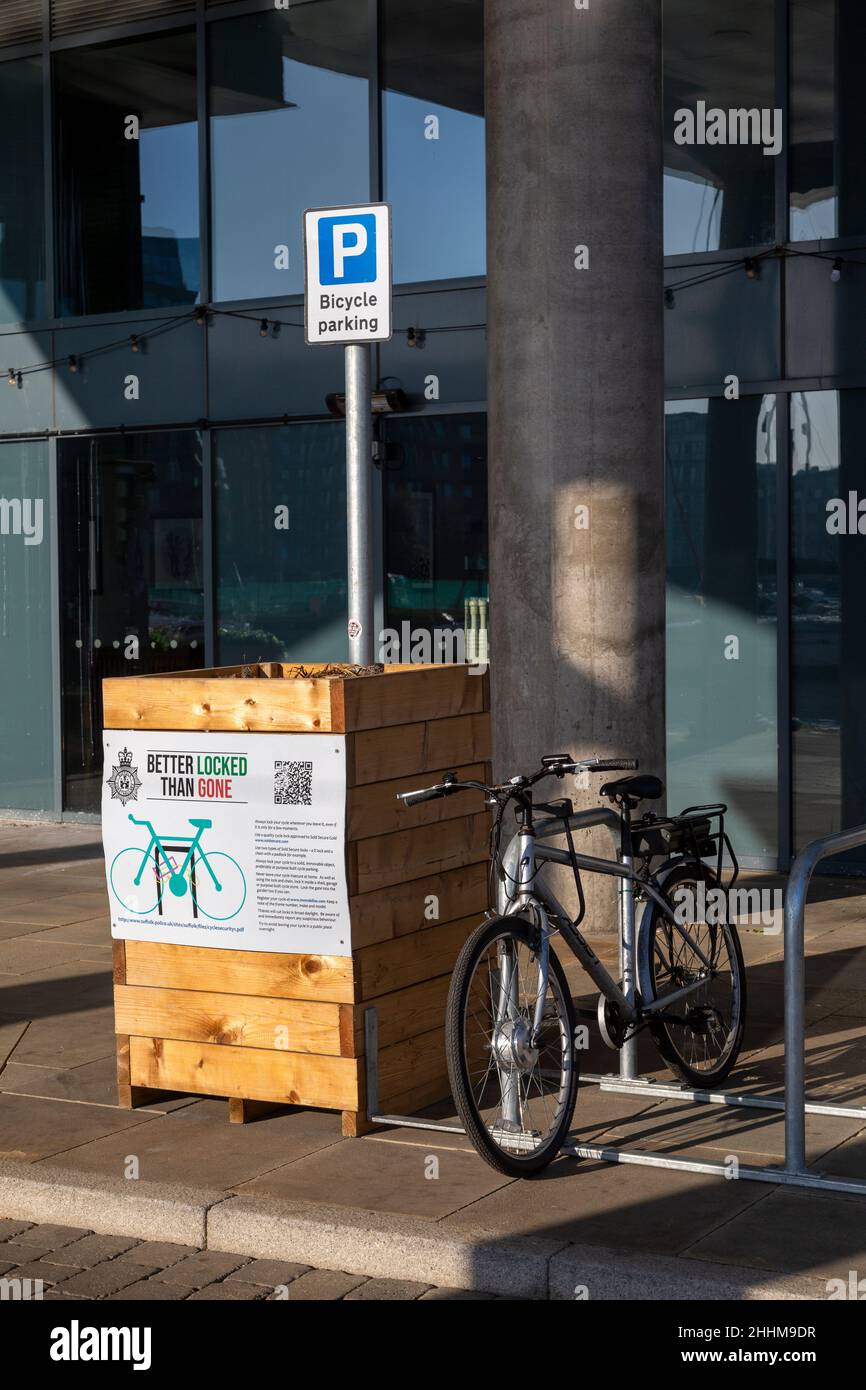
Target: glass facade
(280, 519)
(22, 192)
(828, 119)
(719, 193)
(131, 579)
(433, 137)
(289, 101)
(722, 603)
(27, 676)
(127, 175)
(435, 524)
(200, 482)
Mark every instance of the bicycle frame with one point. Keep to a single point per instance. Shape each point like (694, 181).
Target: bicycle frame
(156, 842)
(523, 858)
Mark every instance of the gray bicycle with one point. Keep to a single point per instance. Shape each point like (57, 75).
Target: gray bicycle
(513, 1060)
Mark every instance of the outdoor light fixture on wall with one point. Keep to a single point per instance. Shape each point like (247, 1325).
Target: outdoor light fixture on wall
(391, 402)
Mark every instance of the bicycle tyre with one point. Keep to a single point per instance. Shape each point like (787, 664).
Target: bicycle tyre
(698, 1078)
(513, 1165)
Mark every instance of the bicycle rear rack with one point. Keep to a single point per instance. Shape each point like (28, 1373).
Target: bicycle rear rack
(795, 1106)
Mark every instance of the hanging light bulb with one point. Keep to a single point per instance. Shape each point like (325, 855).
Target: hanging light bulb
(670, 301)
(10, 380)
(201, 317)
(752, 269)
(134, 343)
(263, 328)
(73, 363)
(836, 272)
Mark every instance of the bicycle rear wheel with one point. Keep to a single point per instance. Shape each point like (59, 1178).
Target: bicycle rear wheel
(514, 1093)
(699, 1036)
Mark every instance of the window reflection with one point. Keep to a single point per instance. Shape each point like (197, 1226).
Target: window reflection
(280, 511)
(828, 119)
(828, 487)
(127, 181)
(721, 612)
(433, 137)
(289, 130)
(22, 200)
(436, 554)
(718, 196)
(26, 638)
(131, 578)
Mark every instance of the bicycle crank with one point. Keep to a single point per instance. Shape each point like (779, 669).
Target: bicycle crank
(611, 1023)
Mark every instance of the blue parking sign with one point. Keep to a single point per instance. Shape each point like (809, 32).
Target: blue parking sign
(347, 250)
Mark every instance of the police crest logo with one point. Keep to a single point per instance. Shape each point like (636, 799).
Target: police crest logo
(124, 780)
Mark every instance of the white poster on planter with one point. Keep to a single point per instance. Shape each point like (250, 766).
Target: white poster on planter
(233, 840)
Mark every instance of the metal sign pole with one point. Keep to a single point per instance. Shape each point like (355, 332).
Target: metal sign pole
(359, 503)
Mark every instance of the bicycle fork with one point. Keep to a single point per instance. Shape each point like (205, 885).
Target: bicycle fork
(516, 1044)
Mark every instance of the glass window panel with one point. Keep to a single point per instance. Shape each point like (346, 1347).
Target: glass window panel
(828, 489)
(436, 554)
(721, 613)
(280, 504)
(127, 208)
(22, 192)
(131, 578)
(828, 119)
(718, 196)
(433, 137)
(289, 130)
(26, 666)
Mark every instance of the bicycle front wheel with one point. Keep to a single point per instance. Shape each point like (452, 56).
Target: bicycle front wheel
(514, 1088)
(700, 1034)
(221, 891)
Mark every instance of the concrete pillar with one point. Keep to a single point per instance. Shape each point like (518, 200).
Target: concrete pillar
(575, 385)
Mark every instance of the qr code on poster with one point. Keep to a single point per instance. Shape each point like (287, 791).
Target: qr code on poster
(293, 784)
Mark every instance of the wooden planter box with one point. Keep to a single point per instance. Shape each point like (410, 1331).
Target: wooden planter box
(205, 1020)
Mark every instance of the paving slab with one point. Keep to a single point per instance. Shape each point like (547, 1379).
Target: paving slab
(91, 1250)
(228, 1293)
(65, 1040)
(828, 1230)
(383, 1175)
(158, 1254)
(224, 1154)
(33, 1129)
(651, 1210)
(52, 1236)
(269, 1273)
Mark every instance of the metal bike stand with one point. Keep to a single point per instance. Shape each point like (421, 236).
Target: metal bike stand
(794, 1173)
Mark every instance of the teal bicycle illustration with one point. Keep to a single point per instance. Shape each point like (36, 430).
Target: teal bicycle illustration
(215, 882)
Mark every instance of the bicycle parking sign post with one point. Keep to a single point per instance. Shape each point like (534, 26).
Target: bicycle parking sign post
(347, 300)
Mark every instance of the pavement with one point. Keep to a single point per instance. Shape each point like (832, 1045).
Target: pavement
(404, 1205)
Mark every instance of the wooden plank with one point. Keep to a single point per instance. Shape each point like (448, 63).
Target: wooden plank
(409, 696)
(231, 706)
(118, 959)
(375, 810)
(405, 855)
(376, 755)
(328, 978)
(419, 905)
(287, 1025)
(407, 960)
(248, 1073)
(413, 1073)
(405, 1013)
(243, 1112)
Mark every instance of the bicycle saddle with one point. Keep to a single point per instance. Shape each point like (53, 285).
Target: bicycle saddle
(202, 824)
(644, 787)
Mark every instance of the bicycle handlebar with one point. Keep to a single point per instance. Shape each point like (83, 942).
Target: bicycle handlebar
(551, 766)
(140, 822)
